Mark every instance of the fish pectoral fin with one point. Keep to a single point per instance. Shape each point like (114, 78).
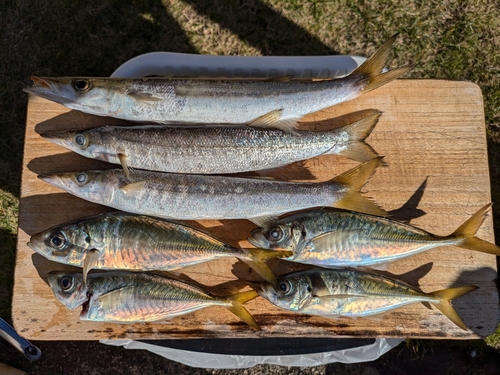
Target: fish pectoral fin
(90, 261)
(133, 188)
(109, 301)
(141, 95)
(263, 221)
(123, 161)
(329, 240)
(272, 120)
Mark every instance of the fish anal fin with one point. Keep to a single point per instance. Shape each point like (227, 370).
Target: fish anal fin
(272, 120)
(133, 188)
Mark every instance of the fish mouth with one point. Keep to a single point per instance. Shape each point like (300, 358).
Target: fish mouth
(58, 138)
(48, 89)
(257, 239)
(51, 179)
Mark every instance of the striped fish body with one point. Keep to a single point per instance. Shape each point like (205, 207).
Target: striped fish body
(123, 297)
(130, 242)
(352, 293)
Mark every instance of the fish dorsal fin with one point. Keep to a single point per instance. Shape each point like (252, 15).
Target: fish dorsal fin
(123, 161)
(272, 120)
(263, 221)
(133, 188)
(143, 96)
(287, 78)
(90, 261)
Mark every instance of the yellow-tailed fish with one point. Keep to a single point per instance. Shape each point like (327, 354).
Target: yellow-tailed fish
(166, 100)
(127, 297)
(139, 243)
(351, 293)
(197, 197)
(214, 149)
(329, 237)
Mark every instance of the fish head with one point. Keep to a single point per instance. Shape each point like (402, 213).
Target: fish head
(285, 236)
(84, 142)
(69, 288)
(67, 244)
(97, 186)
(99, 96)
(293, 292)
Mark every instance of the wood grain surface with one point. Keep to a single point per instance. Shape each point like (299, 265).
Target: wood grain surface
(432, 135)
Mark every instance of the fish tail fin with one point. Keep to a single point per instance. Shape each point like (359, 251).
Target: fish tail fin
(468, 230)
(256, 260)
(236, 307)
(357, 132)
(355, 179)
(444, 305)
(372, 67)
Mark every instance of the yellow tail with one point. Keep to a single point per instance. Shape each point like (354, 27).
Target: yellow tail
(468, 230)
(237, 300)
(372, 67)
(357, 132)
(444, 304)
(256, 258)
(354, 179)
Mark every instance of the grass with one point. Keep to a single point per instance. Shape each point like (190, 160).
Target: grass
(451, 39)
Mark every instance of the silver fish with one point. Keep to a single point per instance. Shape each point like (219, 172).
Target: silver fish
(214, 150)
(335, 238)
(166, 100)
(351, 293)
(198, 197)
(139, 243)
(123, 297)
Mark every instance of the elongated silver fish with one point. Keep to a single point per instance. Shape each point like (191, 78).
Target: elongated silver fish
(139, 243)
(197, 197)
(350, 293)
(124, 297)
(335, 238)
(214, 150)
(212, 101)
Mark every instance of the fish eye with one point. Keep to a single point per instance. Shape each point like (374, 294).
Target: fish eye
(285, 286)
(81, 178)
(309, 289)
(80, 140)
(81, 84)
(275, 234)
(66, 283)
(57, 240)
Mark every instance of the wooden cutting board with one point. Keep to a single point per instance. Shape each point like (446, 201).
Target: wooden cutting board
(432, 134)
